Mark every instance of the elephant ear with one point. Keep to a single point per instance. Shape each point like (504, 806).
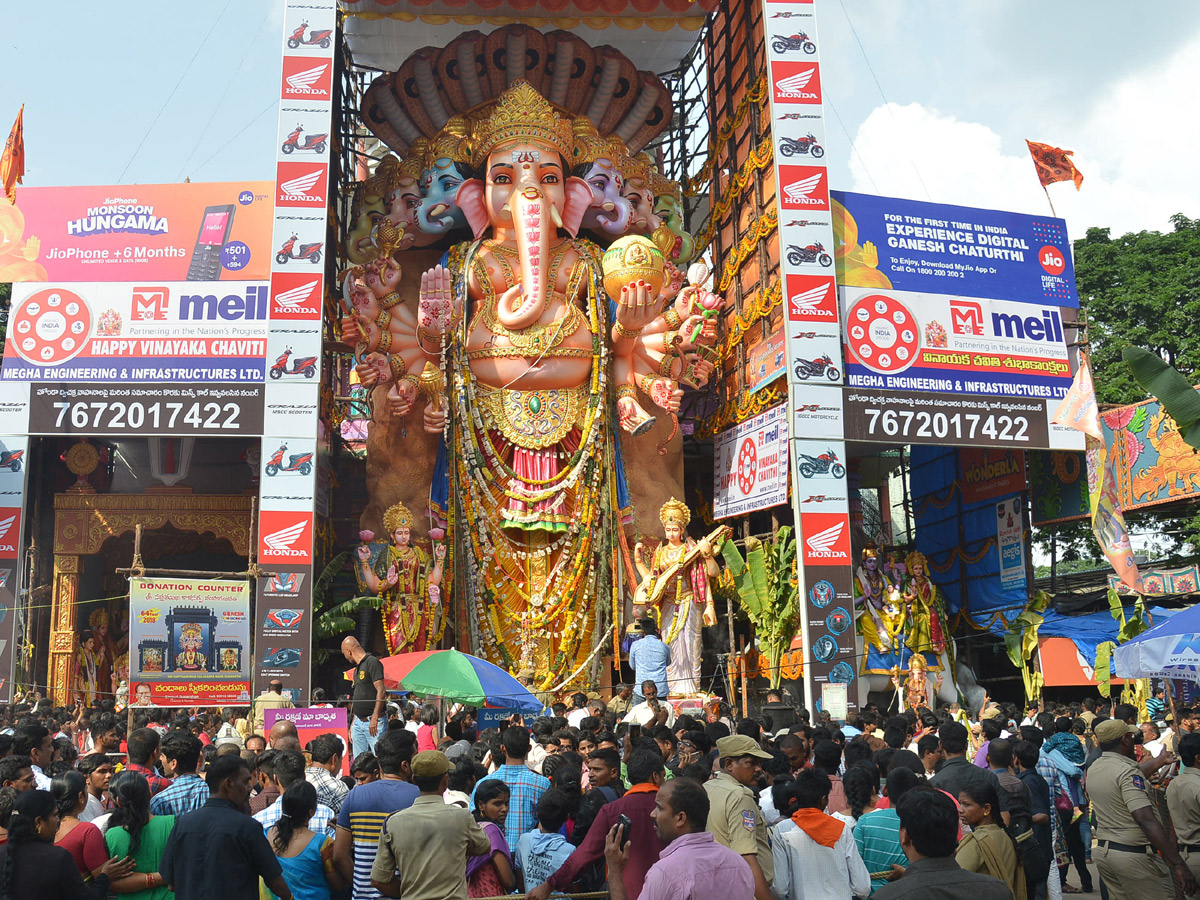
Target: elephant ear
(471, 201)
(579, 197)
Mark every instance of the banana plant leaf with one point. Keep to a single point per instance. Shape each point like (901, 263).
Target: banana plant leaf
(1173, 391)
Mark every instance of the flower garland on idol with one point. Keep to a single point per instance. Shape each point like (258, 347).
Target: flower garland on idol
(509, 614)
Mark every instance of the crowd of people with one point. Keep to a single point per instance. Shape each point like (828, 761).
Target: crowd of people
(625, 795)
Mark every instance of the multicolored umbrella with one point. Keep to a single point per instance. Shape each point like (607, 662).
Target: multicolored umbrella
(459, 677)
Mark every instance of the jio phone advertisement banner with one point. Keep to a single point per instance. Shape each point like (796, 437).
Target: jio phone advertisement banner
(189, 642)
(134, 331)
(934, 248)
(164, 232)
(12, 491)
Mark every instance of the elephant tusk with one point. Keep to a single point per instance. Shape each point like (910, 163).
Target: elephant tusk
(555, 217)
(438, 210)
(608, 206)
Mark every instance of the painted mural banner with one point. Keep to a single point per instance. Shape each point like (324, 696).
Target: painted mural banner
(1152, 462)
(149, 232)
(1058, 486)
(189, 642)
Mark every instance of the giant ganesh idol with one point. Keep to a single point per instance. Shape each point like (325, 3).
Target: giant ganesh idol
(548, 367)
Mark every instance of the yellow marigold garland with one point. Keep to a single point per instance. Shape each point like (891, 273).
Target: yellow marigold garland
(756, 95)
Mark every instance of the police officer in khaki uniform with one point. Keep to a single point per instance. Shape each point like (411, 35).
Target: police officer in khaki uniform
(1183, 800)
(1128, 831)
(733, 816)
(429, 843)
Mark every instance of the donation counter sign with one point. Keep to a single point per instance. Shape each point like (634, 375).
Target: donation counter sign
(312, 722)
(750, 465)
(161, 232)
(189, 642)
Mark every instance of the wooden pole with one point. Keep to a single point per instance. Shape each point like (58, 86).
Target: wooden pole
(1048, 200)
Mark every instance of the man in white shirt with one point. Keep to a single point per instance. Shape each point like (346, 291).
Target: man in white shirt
(822, 859)
(35, 742)
(1152, 744)
(578, 711)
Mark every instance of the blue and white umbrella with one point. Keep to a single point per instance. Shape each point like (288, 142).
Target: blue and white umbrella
(1170, 649)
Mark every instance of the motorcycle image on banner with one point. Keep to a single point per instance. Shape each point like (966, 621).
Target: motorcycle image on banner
(807, 144)
(815, 368)
(814, 252)
(322, 38)
(311, 252)
(314, 142)
(301, 365)
(797, 41)
(827, 462)
(297, 462)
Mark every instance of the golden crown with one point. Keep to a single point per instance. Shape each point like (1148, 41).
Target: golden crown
(589, 146)
(675, 512)
(870, 552)
(387, 173)
(398, 516)
(637, 168)
(98, 618)
(916, 557)
(918, 661)
(661, 185)
(413, 165)
(522, 114)
(190, 631)
(451, 142)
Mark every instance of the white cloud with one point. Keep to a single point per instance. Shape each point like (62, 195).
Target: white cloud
(1134, 148)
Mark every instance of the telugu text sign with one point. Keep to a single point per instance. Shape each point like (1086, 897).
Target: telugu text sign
(189, 642)
(899, 340)
(750, 465)
(166, 410)
(200, 331)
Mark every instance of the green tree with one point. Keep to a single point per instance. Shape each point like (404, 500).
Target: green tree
(1142, 289)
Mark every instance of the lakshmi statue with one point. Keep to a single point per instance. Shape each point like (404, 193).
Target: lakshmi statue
(880, 615)
(918, 691)
(926, 610)
(678, 576)
(406, 584)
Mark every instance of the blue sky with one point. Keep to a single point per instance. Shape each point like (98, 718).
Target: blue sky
(965, 83)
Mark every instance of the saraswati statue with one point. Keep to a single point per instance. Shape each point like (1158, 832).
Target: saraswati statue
(540, 355)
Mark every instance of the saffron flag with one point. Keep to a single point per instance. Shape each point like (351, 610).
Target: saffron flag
(1078, 409)
(1054, 164)
(12, 162)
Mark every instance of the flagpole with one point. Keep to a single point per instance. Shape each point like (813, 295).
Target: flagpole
(1051, 202)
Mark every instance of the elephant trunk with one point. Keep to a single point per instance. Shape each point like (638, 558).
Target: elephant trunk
(536, 222)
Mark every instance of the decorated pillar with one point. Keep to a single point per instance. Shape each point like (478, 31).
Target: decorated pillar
(62, 628)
